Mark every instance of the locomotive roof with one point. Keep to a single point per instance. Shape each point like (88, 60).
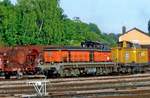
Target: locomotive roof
(72, 48)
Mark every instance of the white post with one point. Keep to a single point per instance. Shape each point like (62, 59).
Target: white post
(39, 86)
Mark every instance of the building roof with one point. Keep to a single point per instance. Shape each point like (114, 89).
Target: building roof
(129, 36)
(137, 30)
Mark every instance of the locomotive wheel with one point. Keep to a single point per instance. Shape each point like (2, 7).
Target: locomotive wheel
(98, 71)
(50, 73)
(82, 72)
(129, 70)
(133, 70)
(105, 71)
(38, 71)
(142, 70)
(119, 70)
(75, 72)
(110, 70)
(7, 75)
(67, 72)
(61, 72)
(2, 73)
(123, 70)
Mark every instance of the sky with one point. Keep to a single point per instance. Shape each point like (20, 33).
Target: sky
(110, 15)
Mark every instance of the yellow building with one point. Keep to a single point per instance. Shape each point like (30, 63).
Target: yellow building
(136, 36)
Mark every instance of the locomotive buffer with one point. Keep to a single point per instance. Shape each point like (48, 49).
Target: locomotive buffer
(39, 86)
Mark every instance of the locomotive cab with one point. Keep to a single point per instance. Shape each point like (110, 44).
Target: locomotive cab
(127, 44)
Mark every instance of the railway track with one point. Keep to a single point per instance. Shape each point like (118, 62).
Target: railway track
(84, 87)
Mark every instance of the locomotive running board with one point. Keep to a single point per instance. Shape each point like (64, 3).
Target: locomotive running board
(79, 64)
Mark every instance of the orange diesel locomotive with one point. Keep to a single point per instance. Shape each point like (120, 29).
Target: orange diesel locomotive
(74, 61)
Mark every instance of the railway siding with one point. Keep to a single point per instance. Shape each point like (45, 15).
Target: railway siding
(94, 87)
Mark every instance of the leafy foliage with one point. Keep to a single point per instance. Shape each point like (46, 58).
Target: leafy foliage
(43, 22)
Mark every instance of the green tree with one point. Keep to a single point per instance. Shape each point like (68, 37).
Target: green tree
(93, 27)
(43, 22)
(7, 22)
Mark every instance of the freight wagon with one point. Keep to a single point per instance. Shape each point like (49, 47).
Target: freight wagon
(22, 59)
